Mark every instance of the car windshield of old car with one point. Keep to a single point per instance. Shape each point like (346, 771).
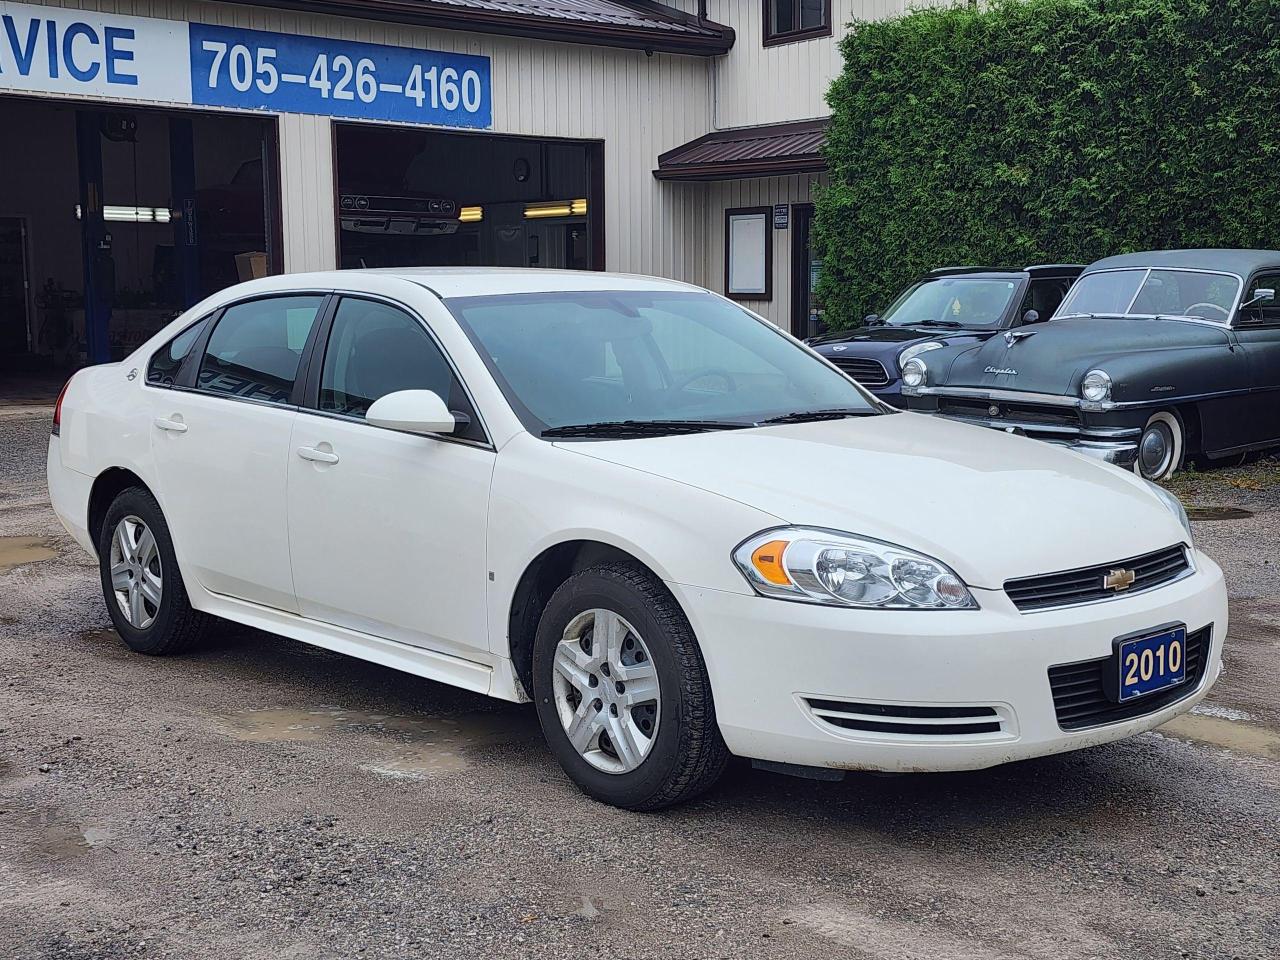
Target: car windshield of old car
(1156, 292)
(637, 363)
(952, 302)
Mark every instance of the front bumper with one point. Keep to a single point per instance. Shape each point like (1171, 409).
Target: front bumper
(769, 660)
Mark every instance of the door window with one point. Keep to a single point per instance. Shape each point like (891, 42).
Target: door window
(166, 362)
(256, 348)
(1266, 313)
(375, 349)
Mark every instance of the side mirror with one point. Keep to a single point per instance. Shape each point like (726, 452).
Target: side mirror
(1031, 316)
(871, 319)
(1260, 295)
(413, 411)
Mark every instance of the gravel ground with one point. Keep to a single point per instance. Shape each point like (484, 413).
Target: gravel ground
(260, 798)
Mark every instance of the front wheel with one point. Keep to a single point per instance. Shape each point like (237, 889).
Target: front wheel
(622, 691)
(1161, 447)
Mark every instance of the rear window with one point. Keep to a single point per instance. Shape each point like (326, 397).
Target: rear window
(256, 348)
(165, 363)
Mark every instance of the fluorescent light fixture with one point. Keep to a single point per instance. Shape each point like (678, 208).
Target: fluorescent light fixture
(119, 214)
(556, 208)
(471, 214)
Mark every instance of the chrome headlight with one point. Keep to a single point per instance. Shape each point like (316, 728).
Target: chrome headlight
(1174, 505)
(813, 565)
(914, 373)
(917, 349)
(1096, 386)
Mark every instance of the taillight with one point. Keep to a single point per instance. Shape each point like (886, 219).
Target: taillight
(57, 410)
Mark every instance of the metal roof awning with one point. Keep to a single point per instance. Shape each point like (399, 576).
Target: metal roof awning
(775, 150)
(638, 24)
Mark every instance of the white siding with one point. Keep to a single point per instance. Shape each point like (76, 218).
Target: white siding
(761, 192)
(638, 105)
(756, 84)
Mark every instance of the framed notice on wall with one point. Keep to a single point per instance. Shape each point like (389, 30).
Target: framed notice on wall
(748, 253)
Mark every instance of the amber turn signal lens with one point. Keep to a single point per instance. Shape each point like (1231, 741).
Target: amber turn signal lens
(767, 559)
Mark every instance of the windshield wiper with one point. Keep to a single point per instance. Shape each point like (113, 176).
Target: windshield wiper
(803, 416)
(949, 324)
(640, 428)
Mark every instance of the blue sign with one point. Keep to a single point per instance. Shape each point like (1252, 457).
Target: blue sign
(252, 69)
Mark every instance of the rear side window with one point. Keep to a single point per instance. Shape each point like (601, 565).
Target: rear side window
(256, 348)
(375, 349)
(165, 363)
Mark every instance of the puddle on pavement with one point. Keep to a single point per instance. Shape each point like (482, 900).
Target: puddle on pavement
(1235, 735)
(64, 841)
(594, 908)
(402, 746)
(1218, 513)
(18, 551)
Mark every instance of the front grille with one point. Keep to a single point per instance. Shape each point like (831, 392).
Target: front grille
(1079, 696)
(1086, 584)
(869, 373)
(903, 718)
(1029, 414)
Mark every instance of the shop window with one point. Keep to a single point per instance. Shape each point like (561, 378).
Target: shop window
(786, 21)
(748, 259)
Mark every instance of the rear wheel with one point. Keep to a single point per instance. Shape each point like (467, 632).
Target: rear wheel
(144, 592)
(1161, 447)
(622, 691)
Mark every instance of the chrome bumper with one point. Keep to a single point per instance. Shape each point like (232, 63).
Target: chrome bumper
(1117, 452)
(1118, 445)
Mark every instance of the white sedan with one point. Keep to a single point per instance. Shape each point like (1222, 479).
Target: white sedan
(680, 532)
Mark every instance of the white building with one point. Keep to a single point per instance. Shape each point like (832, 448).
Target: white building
(156, 150)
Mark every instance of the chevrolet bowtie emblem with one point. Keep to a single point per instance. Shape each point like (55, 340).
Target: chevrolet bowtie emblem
(1119, 579)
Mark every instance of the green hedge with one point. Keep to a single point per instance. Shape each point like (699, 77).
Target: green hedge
(1027, 131)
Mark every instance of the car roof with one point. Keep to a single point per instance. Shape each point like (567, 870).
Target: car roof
(1034, 270)
(1242, 262)
(448, 282)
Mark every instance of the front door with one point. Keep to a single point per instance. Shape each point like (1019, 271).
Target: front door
(806, 309)
(388, 528)
(221, 446)
(1258, 331)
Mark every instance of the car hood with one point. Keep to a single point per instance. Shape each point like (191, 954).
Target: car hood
(990, 505)
(1052, 357)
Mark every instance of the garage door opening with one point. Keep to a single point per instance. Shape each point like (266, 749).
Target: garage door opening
(114, 221)
(426, 198)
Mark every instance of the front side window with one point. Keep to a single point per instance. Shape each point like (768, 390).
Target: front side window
(1157, 292)
(375, 349)
(952, 302)
(789, 20)
(255, 349)
(166, 362)
(663, 358)
(1263, 311)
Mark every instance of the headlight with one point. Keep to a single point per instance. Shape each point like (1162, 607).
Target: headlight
(1174, 505)
(1096, 386)
(917, 349)
(813, 565)
(914, 372)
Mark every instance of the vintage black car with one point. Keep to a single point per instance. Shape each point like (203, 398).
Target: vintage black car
(1151, 358)
(948, 306)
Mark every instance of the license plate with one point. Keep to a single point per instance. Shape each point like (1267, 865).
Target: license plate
(1153, 663)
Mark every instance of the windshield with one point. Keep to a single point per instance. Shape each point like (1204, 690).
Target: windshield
(611, 357)
(952, 302)
(1141, 292)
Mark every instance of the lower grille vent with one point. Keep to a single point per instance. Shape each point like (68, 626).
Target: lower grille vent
(905, 719)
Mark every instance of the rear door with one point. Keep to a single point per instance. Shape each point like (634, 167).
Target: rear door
(388, 528)
(220, 437)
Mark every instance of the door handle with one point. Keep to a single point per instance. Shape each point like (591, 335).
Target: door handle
(317, 456)
(173, 426)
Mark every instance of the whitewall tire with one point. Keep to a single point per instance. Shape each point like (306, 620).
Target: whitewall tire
(1161, 447)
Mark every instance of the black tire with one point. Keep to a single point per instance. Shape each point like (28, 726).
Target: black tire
(688, 754)
(176, 625)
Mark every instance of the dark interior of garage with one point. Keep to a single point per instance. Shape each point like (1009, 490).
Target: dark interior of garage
(425, 198)
(114, 221)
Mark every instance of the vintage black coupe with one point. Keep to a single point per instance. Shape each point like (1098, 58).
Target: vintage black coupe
(950, 305)
(1151, 358)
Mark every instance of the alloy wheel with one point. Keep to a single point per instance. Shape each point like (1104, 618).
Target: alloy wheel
(606, 691)
(136, 576)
